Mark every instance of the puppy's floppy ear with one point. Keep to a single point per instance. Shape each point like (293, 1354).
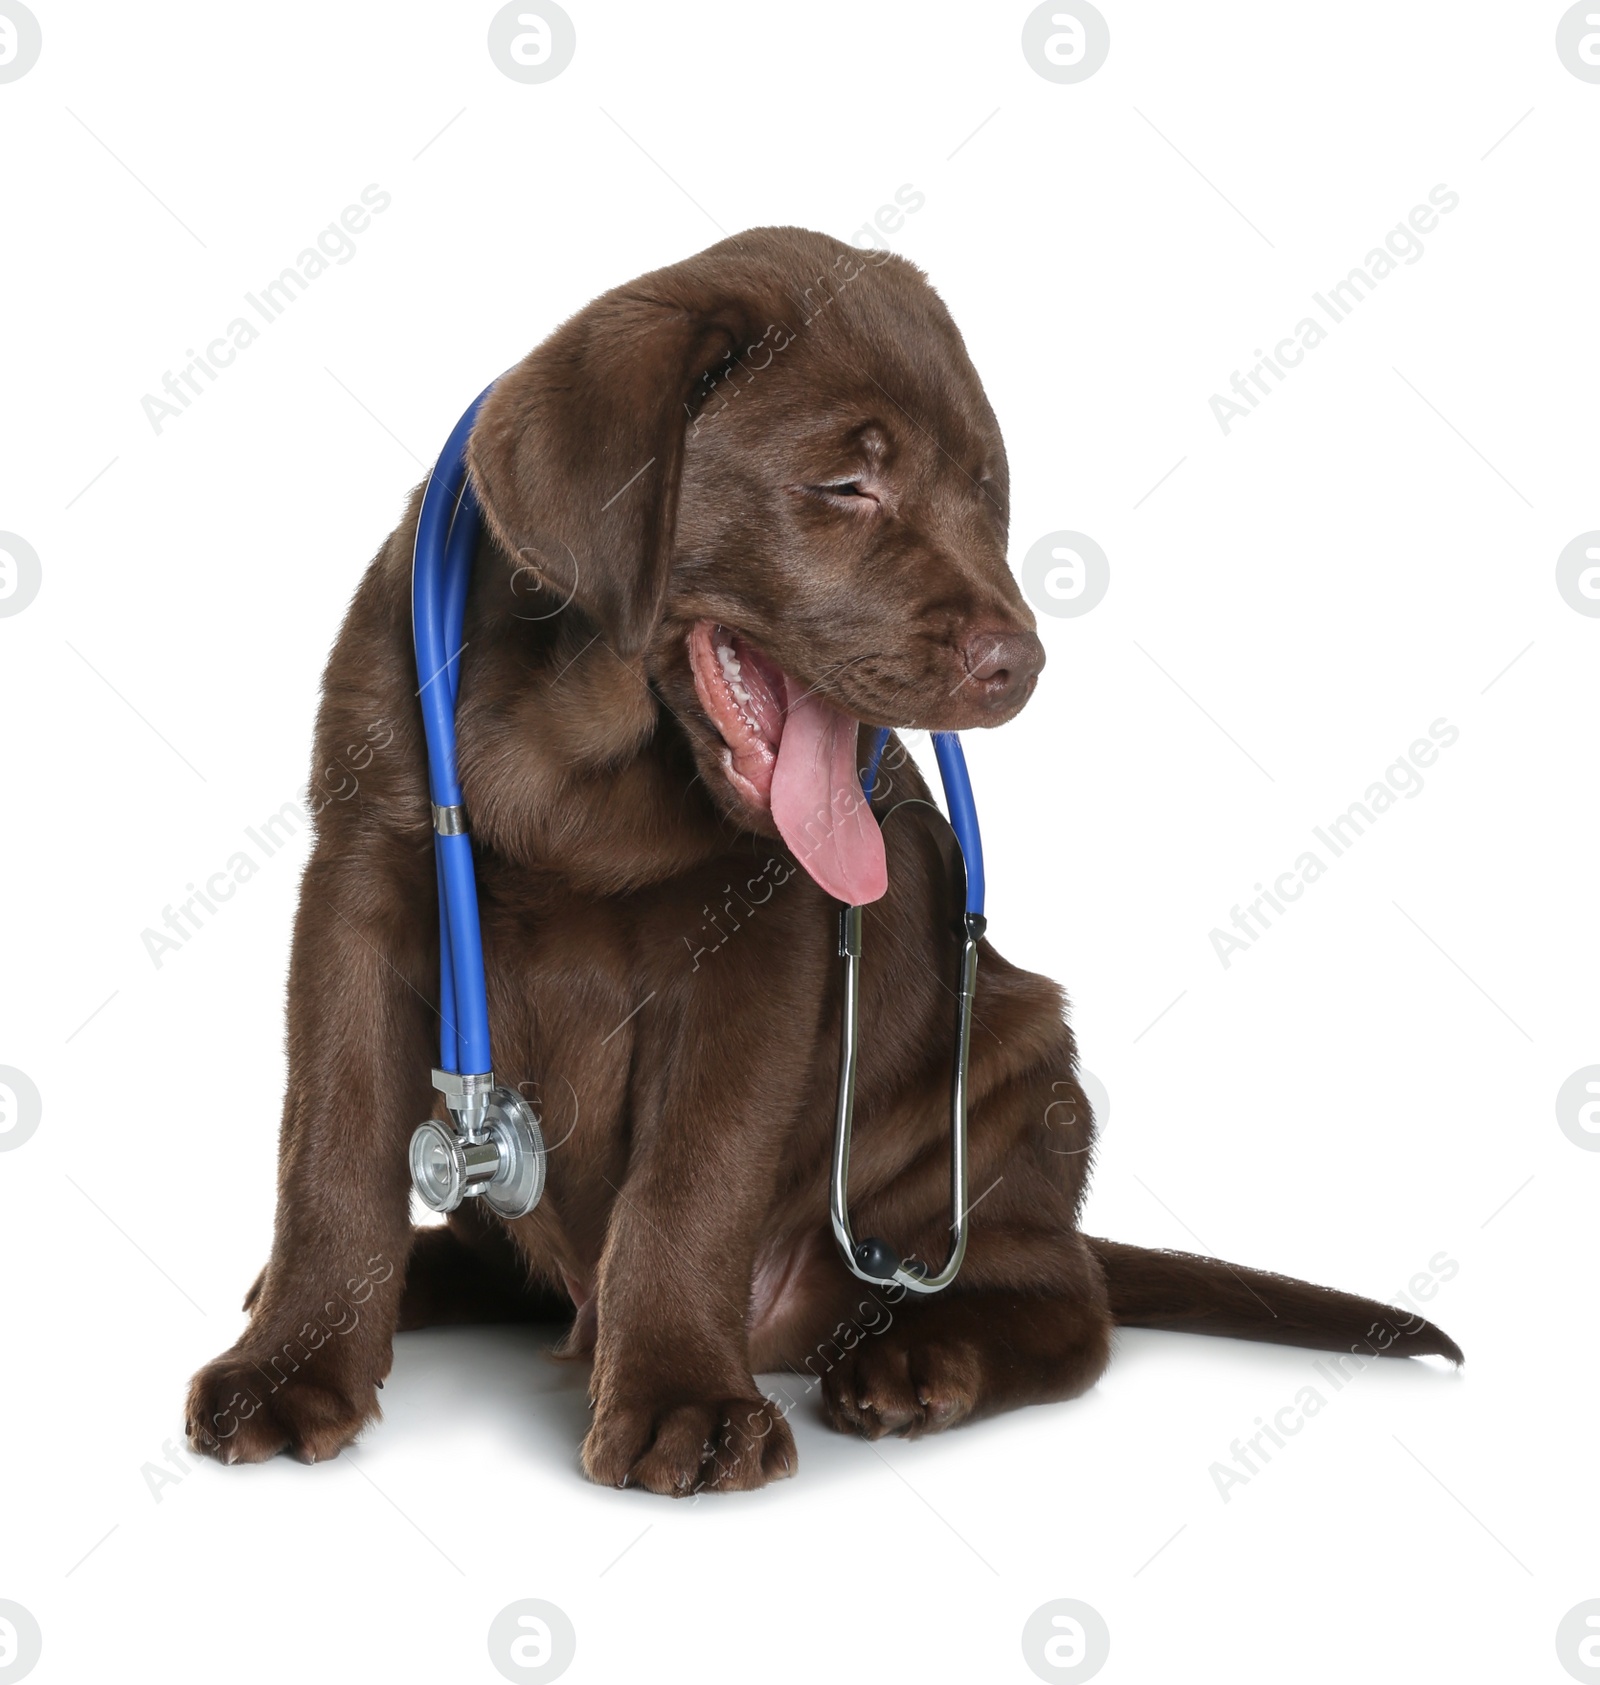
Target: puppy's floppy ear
(577, 453)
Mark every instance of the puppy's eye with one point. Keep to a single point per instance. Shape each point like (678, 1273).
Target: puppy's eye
(843, 491)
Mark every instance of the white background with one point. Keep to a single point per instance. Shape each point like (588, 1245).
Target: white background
(1289, 608)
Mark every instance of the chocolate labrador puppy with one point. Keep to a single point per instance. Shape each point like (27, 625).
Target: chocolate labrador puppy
(735, 510)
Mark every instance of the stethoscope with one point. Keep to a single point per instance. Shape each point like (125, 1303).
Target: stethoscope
(492, 1148)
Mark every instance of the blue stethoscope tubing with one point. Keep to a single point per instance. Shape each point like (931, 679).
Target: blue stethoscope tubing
(958, 798)
(448, 527)
(441, 570)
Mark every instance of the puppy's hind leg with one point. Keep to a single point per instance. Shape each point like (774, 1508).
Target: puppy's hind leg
(975, 1351)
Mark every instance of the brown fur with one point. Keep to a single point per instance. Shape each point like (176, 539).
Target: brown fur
(661, 975)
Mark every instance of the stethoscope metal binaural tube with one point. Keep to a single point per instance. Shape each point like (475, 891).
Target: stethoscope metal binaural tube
(873, 1259)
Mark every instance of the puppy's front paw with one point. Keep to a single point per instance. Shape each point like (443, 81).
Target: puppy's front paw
(689, 1445)
(898, 1383)
(237, 1414)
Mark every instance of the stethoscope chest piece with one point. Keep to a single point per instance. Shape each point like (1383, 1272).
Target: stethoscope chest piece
(494, 1153)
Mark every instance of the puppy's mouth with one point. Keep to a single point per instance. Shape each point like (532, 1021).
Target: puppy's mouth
(789, 752)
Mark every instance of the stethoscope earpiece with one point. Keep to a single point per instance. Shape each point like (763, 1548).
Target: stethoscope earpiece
(875, 1259)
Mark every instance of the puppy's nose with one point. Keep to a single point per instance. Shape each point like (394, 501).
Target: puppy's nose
(1001, 664)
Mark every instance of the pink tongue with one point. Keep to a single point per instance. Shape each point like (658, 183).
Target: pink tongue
(817, 802)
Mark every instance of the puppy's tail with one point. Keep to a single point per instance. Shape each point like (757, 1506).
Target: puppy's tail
(1194, 1295)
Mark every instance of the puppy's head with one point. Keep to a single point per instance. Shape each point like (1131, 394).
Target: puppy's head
(770, 473)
